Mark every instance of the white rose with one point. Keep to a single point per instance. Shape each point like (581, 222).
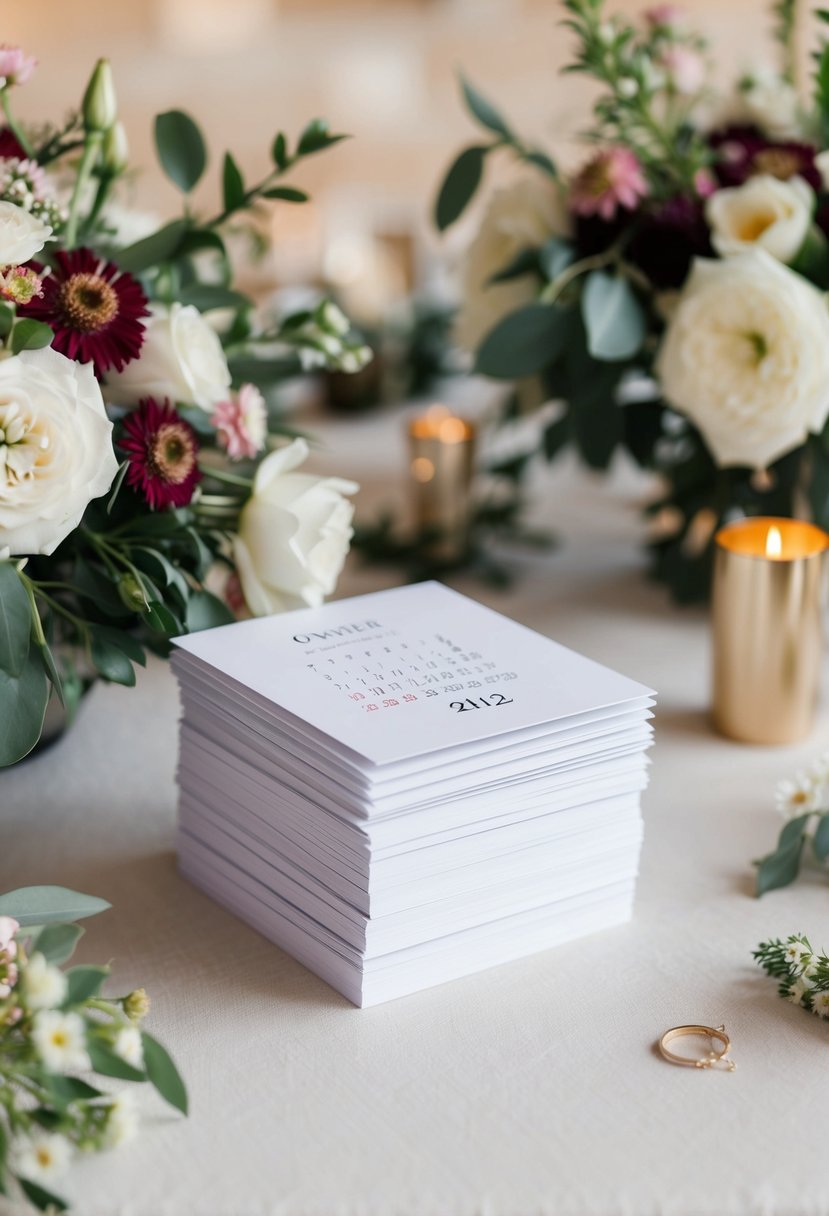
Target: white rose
(765, 211)
(56, 450)
(771, 103)
(294, 534)
(22, 235)
(519, 216)
(181, 358)
(746, 357)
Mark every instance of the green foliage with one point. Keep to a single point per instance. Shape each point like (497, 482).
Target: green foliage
(524, 342)
(315, 138)
(613, 317)
(162, 246)
(781, 867)
(23, 700)
(163, 1073)
(57, 942)
(483, 110)
(181, 149)
(233, 186)
(49, 905)
(459, 185)
(29, 335)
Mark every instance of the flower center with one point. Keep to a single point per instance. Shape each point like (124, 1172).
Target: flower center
(59, 1038)
(88, 302)
(753, 227)
(22, 443)
(172, 454)
(777, 162)
(44, 1157)
(759, 346)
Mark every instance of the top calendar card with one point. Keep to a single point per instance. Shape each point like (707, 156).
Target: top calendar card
(400, 674)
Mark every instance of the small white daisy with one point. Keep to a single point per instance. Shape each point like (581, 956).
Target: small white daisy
(41, 1156)
(60, 1041)
(128, 1046)
(797, 991)
(44, 986)
(122, 1121)
(819, 769)
(820, 1004)
(797, 796)
(798, 954)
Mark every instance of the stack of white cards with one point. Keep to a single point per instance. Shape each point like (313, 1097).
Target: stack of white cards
(406, 787)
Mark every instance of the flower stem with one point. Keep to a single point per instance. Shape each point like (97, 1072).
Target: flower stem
(14, 125)
(231, 479)
(92, 145)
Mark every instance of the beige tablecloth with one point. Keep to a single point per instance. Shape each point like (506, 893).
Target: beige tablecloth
(530, 1089)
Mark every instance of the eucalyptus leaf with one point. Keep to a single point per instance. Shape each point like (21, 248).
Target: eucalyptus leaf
(124, 641)
(781, 867)
(7, 319)
(57, 942)
(525, 261)
(84, 983)
(161, 619)
(159, 247)
(52, 673)
(180, 147)
(459, 185)
(524, 342)
(15, 620)
(484, 111)
(29, 334)
(49, 905)
(43, 1200)
(233, 185)
(163, 1073)
(555, 256)
(316, 137)
(23, 699)
(613, 317)
(108, 1064)
(820, 841)
(206, 296)
(279, 151)
(66, 1090)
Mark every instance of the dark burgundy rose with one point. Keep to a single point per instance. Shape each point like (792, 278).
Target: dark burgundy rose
(668, 239)
(10, 145)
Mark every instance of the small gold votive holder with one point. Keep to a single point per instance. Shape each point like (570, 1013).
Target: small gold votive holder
(442, 464)
(767, 628)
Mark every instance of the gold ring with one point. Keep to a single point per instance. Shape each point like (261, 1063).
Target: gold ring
(709, 1061)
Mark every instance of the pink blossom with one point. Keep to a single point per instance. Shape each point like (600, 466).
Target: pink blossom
(8, 953)
(20, 284)
(242, 423)
(684, 66)
(8, 930)
(705, 183)
(15, 66)
(665, 16)
(612, 179)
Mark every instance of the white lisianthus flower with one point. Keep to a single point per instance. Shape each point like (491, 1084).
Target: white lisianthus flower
(40, 1157)
(769, 102)
(44, 986)
(128, 1046)
(22, 234)
(522, 215)
(746, 358)
(181, 359)
(797, 796)
(764, 212)
(60, 1041)
(294, 534)
(56, 450)
(122, 1120)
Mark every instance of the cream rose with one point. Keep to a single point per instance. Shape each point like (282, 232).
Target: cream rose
(294, 534)
(56, 450)
(764, 212)
(746, 357)
(22, 235)
(522, 215)
(181, 358)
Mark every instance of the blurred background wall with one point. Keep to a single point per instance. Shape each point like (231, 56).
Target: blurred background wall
(383, 70)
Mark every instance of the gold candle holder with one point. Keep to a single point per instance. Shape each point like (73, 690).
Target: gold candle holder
(442, 455)
(767, 628)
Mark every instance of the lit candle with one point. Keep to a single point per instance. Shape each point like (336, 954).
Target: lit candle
(442, 453)
(767, 609)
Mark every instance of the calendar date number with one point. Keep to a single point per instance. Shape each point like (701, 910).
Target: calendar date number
(490, 701)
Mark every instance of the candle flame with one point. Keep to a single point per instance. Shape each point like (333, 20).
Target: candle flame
(774, 543)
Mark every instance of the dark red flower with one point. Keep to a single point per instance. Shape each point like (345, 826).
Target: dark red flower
(162, 452)
(744, 152)
(668, 240)
(10, 145)
(94, 308)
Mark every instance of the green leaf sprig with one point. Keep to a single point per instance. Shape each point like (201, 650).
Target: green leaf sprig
(804, 800)
(801, 971)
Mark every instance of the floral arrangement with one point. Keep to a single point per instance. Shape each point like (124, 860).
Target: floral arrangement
(139, 497)
(803, 800)
(670, 293)
(54, 1023)
(803, 974)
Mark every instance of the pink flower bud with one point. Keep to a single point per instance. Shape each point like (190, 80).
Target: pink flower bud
(684, 67)
(15, 66)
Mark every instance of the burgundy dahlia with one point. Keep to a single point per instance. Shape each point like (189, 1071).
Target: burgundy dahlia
(744, 152)
(94, 308)
(162, 451)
